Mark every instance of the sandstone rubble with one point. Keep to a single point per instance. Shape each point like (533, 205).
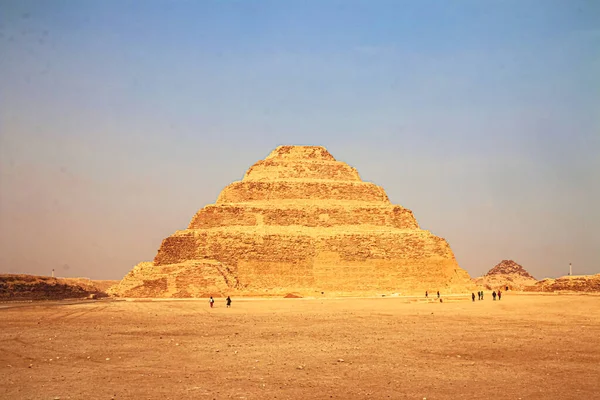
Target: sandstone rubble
(569, 283)
(32, 287)
(507, 273)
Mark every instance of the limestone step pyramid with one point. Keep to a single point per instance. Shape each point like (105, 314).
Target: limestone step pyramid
(299, 221)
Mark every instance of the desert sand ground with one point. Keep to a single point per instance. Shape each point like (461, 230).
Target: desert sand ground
(523, 347)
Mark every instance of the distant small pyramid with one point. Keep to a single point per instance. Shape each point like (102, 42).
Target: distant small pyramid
(507, 274)
(509, 267)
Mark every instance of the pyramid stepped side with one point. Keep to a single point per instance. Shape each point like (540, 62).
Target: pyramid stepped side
(319, 153)
(300, 221)
(340, 262)
(302, 192)
(277, 169)
(218, 216)
(253, 243)
(291, 163)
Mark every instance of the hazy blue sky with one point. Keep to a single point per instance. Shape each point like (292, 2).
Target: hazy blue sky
(120, 119)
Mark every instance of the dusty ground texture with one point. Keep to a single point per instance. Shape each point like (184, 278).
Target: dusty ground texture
(525, 346)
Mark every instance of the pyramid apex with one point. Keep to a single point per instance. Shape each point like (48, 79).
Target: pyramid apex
(301, 152)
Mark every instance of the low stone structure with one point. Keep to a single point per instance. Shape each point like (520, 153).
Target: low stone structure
(32, 287)
(569, 283)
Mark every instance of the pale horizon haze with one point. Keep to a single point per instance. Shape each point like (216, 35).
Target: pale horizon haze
(119, 120)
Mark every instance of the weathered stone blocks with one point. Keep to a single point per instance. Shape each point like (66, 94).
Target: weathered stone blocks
(301, 222)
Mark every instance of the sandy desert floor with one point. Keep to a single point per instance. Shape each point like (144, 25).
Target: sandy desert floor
(523, 347)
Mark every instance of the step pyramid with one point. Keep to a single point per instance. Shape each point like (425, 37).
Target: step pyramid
(299, 221)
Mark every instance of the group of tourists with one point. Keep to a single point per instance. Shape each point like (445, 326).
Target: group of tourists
(480, 295)
(211, 301)
(495, 294)
(438, 296)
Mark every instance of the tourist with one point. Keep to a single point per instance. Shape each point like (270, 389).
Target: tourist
(228, 300)
(211, 301)
(438, 294)
(482, 295)
(473, 296)
(494, 295)
(478, 295)
(499, 294)
(426, 293)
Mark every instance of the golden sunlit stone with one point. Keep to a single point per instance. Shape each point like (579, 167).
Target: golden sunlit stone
(299, 221)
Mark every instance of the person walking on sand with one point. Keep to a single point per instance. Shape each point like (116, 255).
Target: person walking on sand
(478, 295)
(473, 296)
(211, 301)
(499, 294)
(228, 300)
(482, 295)
(426, 293)
(438, 294)
(494, 295)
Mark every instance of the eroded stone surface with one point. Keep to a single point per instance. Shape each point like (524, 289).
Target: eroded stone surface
(299, 221)
(32, 287)
(574, 283)
(506, 274)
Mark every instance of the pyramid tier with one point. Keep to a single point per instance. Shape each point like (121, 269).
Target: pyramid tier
(301, 153)
(196, 244)
(284, 169)
(303, 192)
(215, 216)
(290, 258)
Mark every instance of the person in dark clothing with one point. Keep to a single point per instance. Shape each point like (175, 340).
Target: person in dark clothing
(479, 295)
(473, 296)
(499, 295)
(438, 294)
(482, 295)
(228, 300)
(426, 293)
(494, 295)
